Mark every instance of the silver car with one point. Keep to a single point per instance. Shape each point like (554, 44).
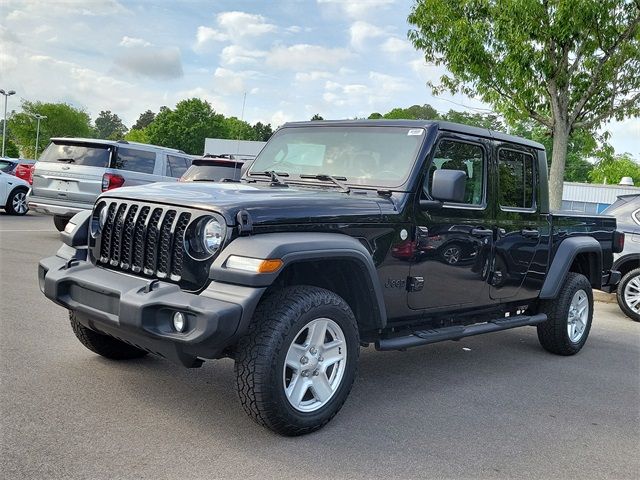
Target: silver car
(627, 212)
(72, 172)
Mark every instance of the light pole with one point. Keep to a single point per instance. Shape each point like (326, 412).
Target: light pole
(38, 117)
(4, 123)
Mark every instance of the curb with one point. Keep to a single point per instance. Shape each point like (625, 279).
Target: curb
(600, 296)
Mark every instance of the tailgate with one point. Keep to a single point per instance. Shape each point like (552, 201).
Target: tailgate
(71, 171)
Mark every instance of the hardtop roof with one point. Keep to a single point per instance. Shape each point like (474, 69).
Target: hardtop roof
(439, 124)
(100, 141)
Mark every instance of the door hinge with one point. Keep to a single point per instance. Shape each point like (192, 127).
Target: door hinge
(415, 284)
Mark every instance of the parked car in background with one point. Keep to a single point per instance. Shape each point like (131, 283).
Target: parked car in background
(212, 168)
(627, 212)
(20, 167)
(13, 194)
(72, 172)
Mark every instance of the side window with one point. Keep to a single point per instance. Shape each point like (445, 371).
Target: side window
(176, 166)
(135, 160)
(467, 157)
(516, 179)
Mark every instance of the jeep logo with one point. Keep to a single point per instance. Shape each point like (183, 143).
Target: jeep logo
(391, 283)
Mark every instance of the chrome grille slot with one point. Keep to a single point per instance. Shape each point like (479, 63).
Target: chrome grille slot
(142, 239)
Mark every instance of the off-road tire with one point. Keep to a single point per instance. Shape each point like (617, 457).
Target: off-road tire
(552, 334)
(60, 222)
(635, 316)
(261, 354)
(9, 205)
(104, 345)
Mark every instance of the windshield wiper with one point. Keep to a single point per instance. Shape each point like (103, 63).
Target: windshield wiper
(275, 177)
(68, 160)
(330, 178)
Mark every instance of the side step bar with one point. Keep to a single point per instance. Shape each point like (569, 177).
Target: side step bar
(424, 337)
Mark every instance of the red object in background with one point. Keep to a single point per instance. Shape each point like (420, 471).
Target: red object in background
(25, 171)
(111, 181)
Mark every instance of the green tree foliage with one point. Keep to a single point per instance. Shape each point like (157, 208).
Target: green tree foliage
(414, 112)
(187, 126)
(610, 168)
(317, 116)
(109, 126)
(483, 120)
(375, 116)
(137, 135)
(262, 132)
(565, 64)
(62, 120)
(238, 129)
(144, 120)
(11, 150)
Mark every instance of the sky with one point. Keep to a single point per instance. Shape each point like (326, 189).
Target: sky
(292, 59)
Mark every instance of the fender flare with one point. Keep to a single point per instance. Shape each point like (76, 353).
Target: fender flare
(562, 260)
(299, 247)
(631, 257)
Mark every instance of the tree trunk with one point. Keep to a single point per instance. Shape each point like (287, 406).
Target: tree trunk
(558, 160)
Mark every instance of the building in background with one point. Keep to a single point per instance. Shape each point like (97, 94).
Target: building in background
(591, 197)
(220, 146)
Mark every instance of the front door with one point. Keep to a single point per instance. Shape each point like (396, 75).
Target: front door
(453, 245)
(518, 225)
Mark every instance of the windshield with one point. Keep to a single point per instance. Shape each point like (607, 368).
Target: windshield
(87, 155)
(367, 155)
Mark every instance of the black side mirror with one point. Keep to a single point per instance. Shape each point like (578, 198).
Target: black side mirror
(449, 185)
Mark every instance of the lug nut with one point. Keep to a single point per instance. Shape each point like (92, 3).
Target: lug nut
(304, 360)
(316, 373)
(313, 350)
(320, 358)
(305, 373)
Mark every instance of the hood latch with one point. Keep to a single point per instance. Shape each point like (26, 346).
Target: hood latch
(245, 225)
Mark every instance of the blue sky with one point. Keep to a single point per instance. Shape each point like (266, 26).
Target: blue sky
(293, 59)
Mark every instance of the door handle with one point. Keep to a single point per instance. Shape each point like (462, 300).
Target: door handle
(530, 233)
(481, 232)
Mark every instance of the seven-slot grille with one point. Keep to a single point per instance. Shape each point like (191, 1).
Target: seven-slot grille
(147, 239)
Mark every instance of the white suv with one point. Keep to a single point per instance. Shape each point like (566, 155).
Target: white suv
(72, 172)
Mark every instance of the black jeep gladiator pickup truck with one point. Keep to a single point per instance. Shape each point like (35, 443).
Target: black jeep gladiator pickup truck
(341, 234)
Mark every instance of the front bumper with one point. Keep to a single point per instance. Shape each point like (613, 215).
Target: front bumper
(139, 311)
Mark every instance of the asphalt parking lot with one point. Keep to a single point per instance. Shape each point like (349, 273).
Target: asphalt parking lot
(494, 406)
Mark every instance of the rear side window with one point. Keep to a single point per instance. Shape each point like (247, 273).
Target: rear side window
(141, 161)
(467, 157)
(516, 179)
(213, 173)
(176, 166)
(78, 154)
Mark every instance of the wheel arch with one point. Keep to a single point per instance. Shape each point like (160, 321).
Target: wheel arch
(336, 262)
(627, 263)
(578, 254)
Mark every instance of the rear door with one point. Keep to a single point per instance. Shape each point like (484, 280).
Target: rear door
(519, 225)
(71, 171)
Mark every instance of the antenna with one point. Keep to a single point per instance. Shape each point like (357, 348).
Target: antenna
(244, 101)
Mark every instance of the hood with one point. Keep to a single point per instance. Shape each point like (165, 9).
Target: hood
(265, 204)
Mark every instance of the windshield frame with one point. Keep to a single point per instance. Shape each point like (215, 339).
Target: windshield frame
(402, 185)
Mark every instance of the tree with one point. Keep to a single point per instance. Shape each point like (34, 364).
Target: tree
(262, 132)
(11, 150)
(375, 116)
(144, 120)
(137, 135)
(414, 112)
(565, 64)
(317, 116)
(109, 126)
(187, 126)
(482, 120)
(237, 129)
(610, 168)
(62, 120)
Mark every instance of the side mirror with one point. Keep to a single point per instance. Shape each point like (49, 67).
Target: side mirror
(449, 185)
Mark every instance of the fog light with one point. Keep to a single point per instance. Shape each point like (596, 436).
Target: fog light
(179, 322)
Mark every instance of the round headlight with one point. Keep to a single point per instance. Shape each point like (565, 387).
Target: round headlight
(204, 238)
(211, 236)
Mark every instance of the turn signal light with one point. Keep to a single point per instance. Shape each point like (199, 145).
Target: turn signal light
(255, 265)
(111, 181)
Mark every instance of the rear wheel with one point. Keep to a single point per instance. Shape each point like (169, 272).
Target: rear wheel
(60, 222)
(628, 294)
(568, 317)
(104, 345)
(295, 367)
(17, 202)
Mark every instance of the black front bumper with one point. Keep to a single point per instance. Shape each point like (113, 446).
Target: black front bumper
(139, 311)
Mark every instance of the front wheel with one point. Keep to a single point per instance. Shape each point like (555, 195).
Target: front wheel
(568, 317)
(628, 294)
(295, 367)
(17, 202)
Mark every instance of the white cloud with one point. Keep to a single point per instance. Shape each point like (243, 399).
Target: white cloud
(357, 9)
(361, 32)
(395, 45)
(388, 83)
(228, 82)
(312, 76)
(160, 63)
(235, 55)
(133, 42)
(245, 24)
(205, 36)
(7, 61)
(279, 118)
(302, 56)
